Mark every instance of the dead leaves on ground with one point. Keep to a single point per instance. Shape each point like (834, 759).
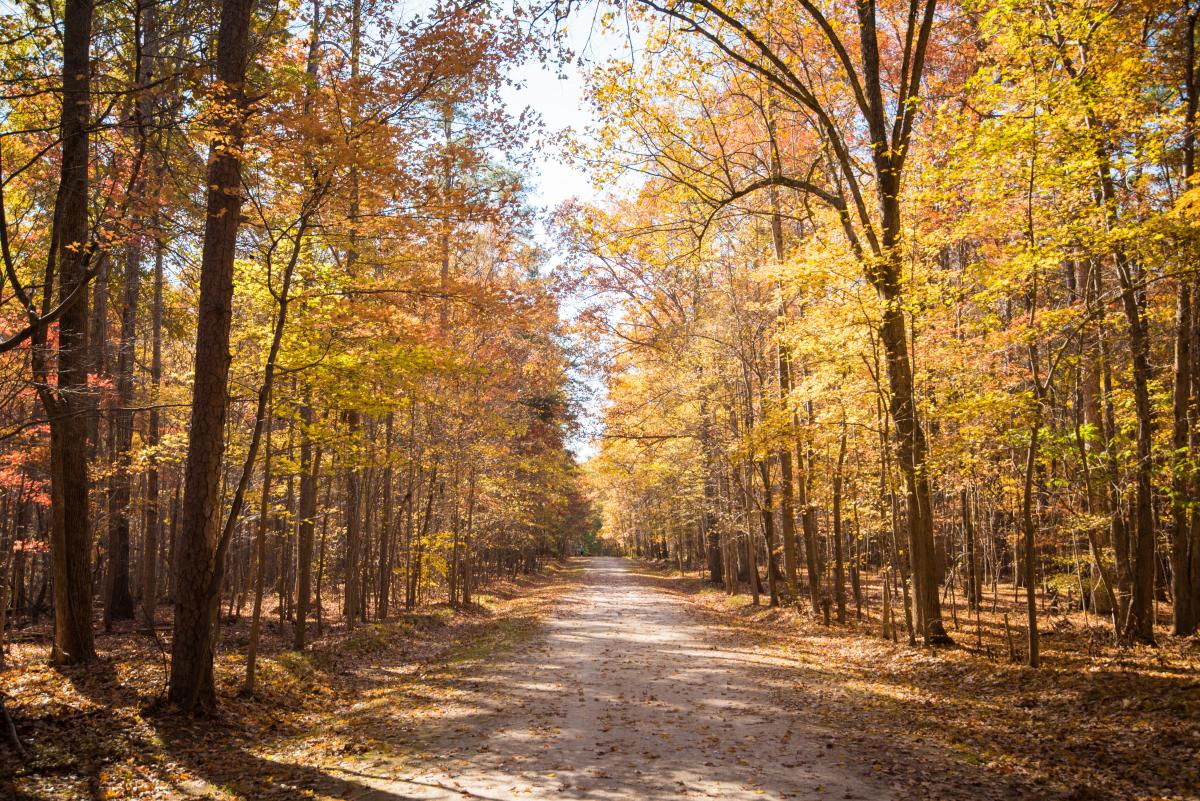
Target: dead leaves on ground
(101, 732)
(1096, 722)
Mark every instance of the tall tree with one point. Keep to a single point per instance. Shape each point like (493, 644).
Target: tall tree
(199, 564)
(118, 593)
(883, 89)
(73, 252)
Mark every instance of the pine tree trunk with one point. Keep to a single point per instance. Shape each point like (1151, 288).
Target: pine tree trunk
(260, 563)
(310, 465)
(839, 570)
(152, 540)
(70, 533)
(353, 520)
(198, 567)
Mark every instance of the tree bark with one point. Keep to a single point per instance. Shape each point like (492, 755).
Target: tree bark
(1139, 625)
(310, 465)
(198, 579)
(119, 599)
(839, 571)
(353, 520)
(260, 563)
(808, 523)
(1183, 594)
(153, 512)
(1030, 532)
(974, 590)
(1183, 617)
(70, 532)
(383, 582)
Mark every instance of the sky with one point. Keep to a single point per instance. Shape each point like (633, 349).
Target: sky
(557, 95)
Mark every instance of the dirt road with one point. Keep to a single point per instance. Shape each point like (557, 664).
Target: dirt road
(627, 696)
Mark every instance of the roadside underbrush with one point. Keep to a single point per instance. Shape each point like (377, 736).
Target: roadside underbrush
(103, 731)
(1097, 721)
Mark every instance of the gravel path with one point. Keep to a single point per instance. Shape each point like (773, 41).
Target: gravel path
(626, 696)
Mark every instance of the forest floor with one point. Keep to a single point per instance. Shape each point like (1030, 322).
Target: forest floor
(631, 694)
(1097, 721)
(102, 732)
(611, 679)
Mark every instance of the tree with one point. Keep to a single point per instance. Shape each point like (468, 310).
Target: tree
(201, 549)
(850, 99)
(71, 253)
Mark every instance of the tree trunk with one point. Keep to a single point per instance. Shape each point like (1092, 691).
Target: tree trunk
(153, 512)
(353, 519)
(198, 578)
(910, 455)
(808, 525)
(750, 544)
(468, 560)
(1183, 593)
(310, 466)
(119, 600)
(1183, 616)
(974, 589)
(839, 570)
(309, 463)
(1030, 531)
(784, 368)
(1194, 446)
(716, 568)
(70, 533)
(1139, 625)
(260, 563)
(768, 519)
(385, 530)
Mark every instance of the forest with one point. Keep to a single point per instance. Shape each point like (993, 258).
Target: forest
(858, 399)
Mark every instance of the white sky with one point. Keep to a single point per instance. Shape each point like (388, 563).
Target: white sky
(557, 95)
